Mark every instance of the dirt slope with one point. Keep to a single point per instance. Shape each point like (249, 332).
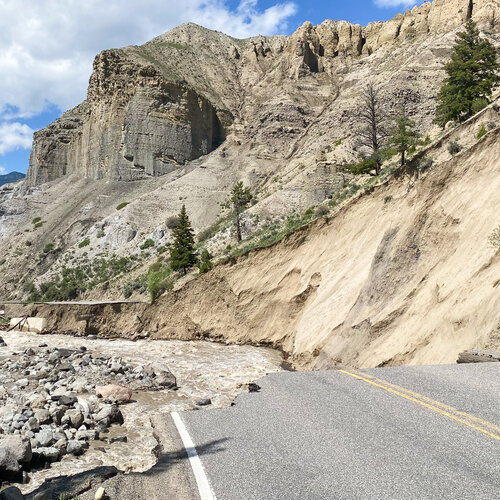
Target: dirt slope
(399, 276)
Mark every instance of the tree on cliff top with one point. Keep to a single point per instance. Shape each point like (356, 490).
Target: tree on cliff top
(472, 74)
(182, 252)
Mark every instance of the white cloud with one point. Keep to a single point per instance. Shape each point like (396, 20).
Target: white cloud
(14, 136)
(47, 47)
(396, 3)
(3, 171)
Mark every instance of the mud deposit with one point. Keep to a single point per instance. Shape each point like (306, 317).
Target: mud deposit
(204, 370)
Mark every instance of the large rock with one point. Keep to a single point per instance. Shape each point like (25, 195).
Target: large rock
(111, 413)
(11, 493)
(18, 447)
(118, 393)
(166, 380)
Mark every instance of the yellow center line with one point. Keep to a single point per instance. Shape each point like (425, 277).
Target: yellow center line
(464, 418)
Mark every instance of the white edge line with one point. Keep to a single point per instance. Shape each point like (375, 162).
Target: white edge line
(204, 488)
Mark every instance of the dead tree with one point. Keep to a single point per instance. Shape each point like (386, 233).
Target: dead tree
(372, 133)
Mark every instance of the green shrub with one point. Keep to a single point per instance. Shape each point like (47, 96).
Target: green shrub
(49, 247)
(36, 219)
(321, 211)
(494, 238)
(454, 147)
(159, 280)
(147, 244)
(84, 243)
(205, 263)
(482, 131)
(122, 205)
(172, 222)
(362, 167)
(100, 234)
(161, 249)
(337, 143)
(28, 243)
(37, 225)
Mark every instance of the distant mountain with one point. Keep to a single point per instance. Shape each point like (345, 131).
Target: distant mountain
(11, 177)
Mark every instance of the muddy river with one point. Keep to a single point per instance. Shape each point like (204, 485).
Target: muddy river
(204, 370)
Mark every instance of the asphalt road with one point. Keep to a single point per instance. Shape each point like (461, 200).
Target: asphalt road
(413, 432)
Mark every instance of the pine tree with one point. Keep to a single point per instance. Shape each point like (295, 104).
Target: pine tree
(239, 200)
(403, 136)
(182, 253)
(472, 74)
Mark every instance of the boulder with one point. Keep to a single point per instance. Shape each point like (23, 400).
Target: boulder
(2, 342)
(9, 466)
(166, 380)
(11, 493)
(49, 453)
(45, 437)
(75, 447)
(43, 416)
(118, 393)
(76, 418)
(110, 412)
(18, 447)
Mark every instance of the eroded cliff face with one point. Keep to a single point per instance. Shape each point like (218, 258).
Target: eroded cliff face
(152, 108)
(134, 123)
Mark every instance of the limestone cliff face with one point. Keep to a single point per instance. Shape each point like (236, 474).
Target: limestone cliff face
(134, 124)
(152, 108)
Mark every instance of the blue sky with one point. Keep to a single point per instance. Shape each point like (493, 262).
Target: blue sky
(47, 47)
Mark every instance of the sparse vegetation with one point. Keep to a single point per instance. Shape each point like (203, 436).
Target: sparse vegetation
(494, 239)
(73, 281)
(49, 247)
(454, 147)
(122, 205)
(147, 244)
(100, 233)
(36, 219)
(482, 131)
(84, 243)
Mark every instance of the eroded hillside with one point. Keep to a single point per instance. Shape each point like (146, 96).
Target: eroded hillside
(181, 118)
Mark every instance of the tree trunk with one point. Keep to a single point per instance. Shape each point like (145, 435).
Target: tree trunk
(238, 227)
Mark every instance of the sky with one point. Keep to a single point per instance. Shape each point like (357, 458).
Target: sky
(47, 46)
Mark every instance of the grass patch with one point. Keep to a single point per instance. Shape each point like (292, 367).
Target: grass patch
(122, 205)
(84, 243)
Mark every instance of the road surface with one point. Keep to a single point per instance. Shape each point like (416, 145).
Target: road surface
(410, 432)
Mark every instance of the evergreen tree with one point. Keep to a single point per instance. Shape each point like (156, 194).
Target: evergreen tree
(239, 200)
(472, 74)
(205, 263)
(182, 253)
(403, 136)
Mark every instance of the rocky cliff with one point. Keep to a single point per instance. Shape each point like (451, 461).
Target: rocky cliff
(152, 108)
